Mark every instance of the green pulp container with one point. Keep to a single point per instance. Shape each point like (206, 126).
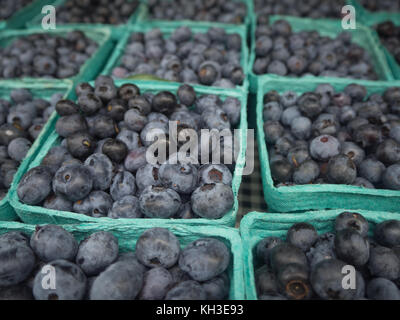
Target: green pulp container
(36, 214)
(127, 236)
(44, 91)
(330, 28)
(167, 28)
(255, 226)
(89, 70)
(317, 196)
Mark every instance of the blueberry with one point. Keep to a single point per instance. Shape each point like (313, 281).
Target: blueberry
(130, 138)
(326, 280)
(153, 131)
(101, 169)
(17, 259)
(368, 135)
(18, 148)
(74, 182)
(217, 288)
(115, 149)
(264, 247)
(293, 281)
(147, 175)
(122, 280)
(265, 280)
(273, 130)
(323, 249)
(302, 235)
(391, 177)
(83, 88)
(277, 67)
(364, 183)
(186, 95)
(70, 282)
(123, 184)
(289, 114)
(204, 259)
(97, 252)
(232, 107)
(66, 108)
(383, 262)
(388, 152)
(126, 207)
(158, 247)
(352, 247)
(89, 103)
(372, 170)
(9, 132)
(81, 145)
(180, 177)
(156, 283)
(353, 221)
(96, 204)
(353, 151)
(164, 102)
(324, 147)
(284, 254)
(35, 185)
(272, 111)
(57, 202)
(281, 170)
(135, 159)
(214, 173)
(20, 95)
(341, 170)
(159, 202)
(301, 127)
(187, 290)
(51, 242)
(212, 201)
(307, 172)
(382, 289)
(387, 233)
(310, 104)
(17, 292)
(71, 124)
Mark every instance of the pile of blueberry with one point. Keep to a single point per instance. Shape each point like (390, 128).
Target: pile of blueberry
(334, 137)
(281, 51)
(381, 5)
(100, 168)
(21, 120)
(312, 266)
(300, 8)
(95, 269)
(389, 34)
(211, 58)
(46, 56)
(8, 8)
(233, 12)
(96, 11)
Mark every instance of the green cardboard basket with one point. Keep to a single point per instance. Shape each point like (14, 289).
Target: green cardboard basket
(326, 27)
(167, 28)
(314, 196)
(18, 19)
(247, 21)
(116, 30)
(36, 214)
(40, 91)
(256, 226)
(89, 70)
(127, 236)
